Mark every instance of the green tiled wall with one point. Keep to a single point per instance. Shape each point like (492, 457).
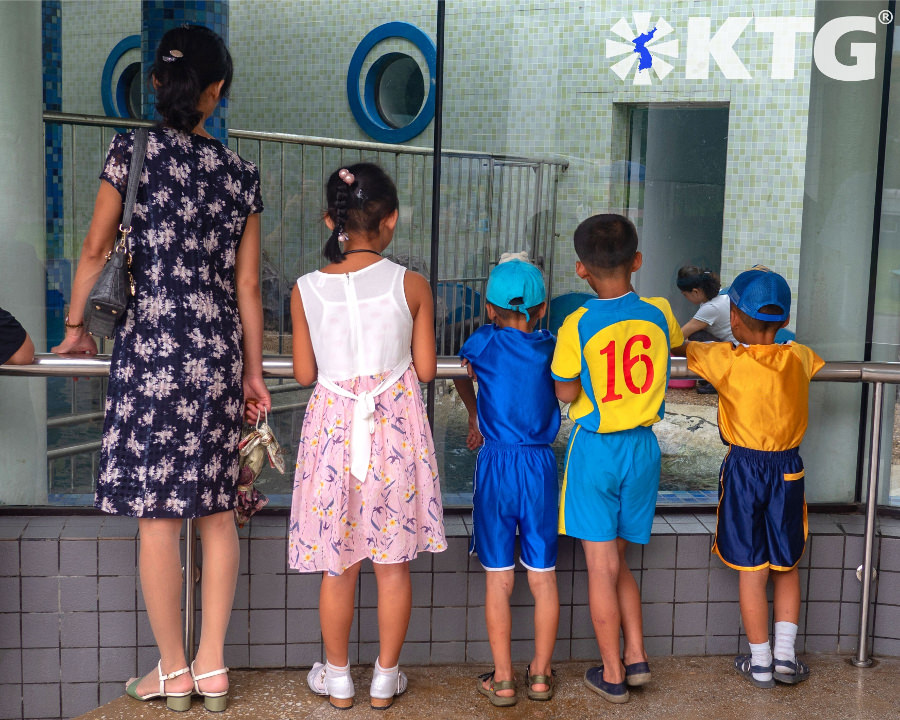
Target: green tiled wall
(525, 78)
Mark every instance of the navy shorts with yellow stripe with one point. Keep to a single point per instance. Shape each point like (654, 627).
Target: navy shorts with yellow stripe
(515, 487)
(762, 509)
(610, 485)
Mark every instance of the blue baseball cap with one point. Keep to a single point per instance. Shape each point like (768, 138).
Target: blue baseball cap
(757, 287)
(516, 280)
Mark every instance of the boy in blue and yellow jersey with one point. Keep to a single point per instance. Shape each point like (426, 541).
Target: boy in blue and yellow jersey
(763, 412)
(612, 365)
(515, 476)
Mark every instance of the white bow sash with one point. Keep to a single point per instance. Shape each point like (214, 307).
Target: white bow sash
(362, 424)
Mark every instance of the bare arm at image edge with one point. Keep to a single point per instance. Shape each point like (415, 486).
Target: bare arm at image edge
(16, 347)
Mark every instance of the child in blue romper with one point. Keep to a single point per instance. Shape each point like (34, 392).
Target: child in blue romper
(515, 475)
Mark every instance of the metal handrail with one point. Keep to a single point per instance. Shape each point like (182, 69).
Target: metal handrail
(877, 373)
(448, 367)
(291, 139)
(274, 366)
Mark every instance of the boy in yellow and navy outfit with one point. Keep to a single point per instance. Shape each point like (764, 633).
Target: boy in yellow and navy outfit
(763, 412)
(612, 364)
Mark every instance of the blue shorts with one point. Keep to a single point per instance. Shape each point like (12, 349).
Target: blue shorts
(610, 485)
(761, 520)
(515, 486)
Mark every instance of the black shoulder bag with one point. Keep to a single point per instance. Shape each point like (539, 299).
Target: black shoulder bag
(108, 299)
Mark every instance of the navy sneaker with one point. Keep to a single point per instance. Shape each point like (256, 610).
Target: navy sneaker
(612, 692)
(637, 674)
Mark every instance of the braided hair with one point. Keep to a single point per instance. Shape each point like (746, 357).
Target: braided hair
(358, 205)
(691, 277)
(188, 60)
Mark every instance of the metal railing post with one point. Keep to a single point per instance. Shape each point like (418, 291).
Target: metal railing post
(190, 587)
(862, 658)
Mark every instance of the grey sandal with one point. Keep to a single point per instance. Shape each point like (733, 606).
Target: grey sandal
(744, 666)
(799, 671)
(491, 692)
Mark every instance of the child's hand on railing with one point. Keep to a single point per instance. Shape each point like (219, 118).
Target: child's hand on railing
(469, 370)
(474, 438)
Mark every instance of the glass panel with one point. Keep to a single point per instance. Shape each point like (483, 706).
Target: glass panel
(726, 141)
(886, 312)
(732, 134)
(400, 90)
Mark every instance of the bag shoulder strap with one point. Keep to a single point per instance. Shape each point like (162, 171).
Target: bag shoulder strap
(134, 174)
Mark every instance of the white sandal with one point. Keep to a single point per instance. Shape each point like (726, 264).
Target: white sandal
(212, 701)
(179, 701)
(387, 683)
(335, 682)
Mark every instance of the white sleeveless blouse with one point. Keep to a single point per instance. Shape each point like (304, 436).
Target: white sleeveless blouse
(359, 322)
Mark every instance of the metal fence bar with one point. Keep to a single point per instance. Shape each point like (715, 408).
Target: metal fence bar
(863, 658)
(281, 366)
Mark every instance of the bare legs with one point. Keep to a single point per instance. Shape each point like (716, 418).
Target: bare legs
(755, 606)
(615, 602)
(161, 584)
(630, 610)
(546, 622)
(160, 568)
(336, 607)
(221, 557)
(394, 607)
(499, 586)
(336, 596)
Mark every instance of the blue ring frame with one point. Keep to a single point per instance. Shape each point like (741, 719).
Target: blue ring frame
(363, 105)
(110, 106)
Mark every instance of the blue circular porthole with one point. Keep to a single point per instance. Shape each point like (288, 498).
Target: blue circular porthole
(397, 100)
(122, 98)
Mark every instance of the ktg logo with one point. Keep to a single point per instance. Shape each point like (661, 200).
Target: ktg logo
(646, 47)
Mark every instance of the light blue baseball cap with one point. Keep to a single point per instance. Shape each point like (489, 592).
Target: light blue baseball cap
(757, 287)
(516, 280)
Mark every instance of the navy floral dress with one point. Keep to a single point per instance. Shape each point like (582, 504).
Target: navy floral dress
(175, 396)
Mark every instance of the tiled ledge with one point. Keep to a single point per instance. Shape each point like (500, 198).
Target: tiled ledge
(72, 614)
(457, 523)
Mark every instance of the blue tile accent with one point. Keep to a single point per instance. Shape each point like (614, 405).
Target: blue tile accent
(159, 16)
(57, 277)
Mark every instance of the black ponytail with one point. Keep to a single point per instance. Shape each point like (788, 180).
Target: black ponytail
(358, 206)
(337, 211)
(691, 277)
(189, 59)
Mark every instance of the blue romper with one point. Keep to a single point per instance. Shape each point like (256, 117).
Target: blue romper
(515, 474)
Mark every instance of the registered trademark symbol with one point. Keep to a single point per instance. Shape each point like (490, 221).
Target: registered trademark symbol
(885, 17)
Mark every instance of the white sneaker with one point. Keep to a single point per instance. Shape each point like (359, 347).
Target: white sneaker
(386, 684)
(324, 679)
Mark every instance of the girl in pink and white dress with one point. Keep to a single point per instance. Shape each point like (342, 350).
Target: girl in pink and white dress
(366, 484)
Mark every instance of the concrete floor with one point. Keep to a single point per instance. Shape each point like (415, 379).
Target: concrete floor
(683, 688)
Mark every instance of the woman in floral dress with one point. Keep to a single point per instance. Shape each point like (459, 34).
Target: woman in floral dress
(187, 356)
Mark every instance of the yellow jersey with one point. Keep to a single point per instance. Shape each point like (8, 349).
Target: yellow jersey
(619, 349)
(763, 390)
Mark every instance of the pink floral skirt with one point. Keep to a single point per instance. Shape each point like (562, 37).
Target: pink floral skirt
(392, 515)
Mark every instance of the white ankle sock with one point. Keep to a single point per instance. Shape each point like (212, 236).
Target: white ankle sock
(785, 637)
(761, 656)
(335, 671)
(386, 671)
